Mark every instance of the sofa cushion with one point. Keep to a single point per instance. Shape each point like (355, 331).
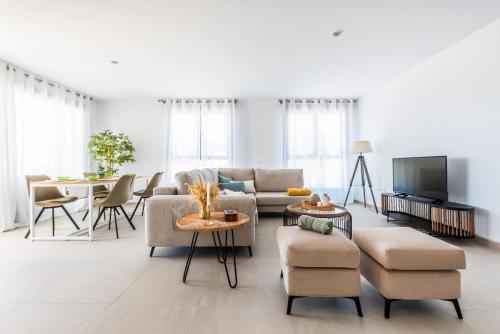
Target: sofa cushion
(278, 198)
(404, 248)
(300, 248)
(238, 174)
(278, 179)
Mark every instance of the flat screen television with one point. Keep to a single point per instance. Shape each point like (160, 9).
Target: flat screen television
(421, 176)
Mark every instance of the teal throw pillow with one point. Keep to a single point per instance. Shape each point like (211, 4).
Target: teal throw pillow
(224, 179)
(233, 186)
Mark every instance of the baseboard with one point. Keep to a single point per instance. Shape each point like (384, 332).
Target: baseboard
(369, 205)
(491, 244)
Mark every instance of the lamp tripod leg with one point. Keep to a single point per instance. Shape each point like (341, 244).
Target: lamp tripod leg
(369, 184)
(352, 179)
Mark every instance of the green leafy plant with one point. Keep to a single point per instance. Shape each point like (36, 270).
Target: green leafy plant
(109, 150)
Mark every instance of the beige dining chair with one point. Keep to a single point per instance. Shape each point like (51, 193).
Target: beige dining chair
(100, 191)
(49, 198)
(118, 196)
(148, 192)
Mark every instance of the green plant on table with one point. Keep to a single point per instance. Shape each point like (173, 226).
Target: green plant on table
(109, 150)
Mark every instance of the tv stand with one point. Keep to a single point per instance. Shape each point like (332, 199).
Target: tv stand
(441, 218)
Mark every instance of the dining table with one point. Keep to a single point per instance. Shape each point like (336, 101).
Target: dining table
(85, 234)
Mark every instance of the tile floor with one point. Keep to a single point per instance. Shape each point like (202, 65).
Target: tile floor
(113, 286)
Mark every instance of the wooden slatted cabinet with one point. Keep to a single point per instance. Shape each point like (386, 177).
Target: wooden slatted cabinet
(445, 219)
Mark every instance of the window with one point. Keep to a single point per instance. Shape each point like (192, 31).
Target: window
(199, 135)
(316, 139)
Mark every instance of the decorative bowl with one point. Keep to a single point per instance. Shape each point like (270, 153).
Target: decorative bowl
(63, 178)
(92, 178)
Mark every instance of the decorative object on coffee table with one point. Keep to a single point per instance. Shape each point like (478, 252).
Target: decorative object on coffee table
(193, 223)
(306, 205)
(341, 218)
(361, 147)
(230, 215)
(205, 194)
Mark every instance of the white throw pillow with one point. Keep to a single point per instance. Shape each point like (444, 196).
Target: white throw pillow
(249, 186)
(228, 192)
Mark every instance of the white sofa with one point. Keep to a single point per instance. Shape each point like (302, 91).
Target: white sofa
(169, 203)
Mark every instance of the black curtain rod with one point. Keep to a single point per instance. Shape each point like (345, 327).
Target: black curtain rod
(27, 75)
(281, 101)
(197, 100)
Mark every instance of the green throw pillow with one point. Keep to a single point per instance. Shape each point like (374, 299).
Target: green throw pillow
(319, 225)
(224, 179)
(233, 186)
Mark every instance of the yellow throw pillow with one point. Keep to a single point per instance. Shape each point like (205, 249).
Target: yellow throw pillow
(299, 192)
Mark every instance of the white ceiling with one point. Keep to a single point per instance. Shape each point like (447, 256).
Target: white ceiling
(231, 48)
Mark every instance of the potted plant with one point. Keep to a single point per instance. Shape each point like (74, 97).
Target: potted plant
(110, 150)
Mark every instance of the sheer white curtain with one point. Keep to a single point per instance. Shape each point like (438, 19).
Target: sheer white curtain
(317, 134)
(44, 131)
(199, 134)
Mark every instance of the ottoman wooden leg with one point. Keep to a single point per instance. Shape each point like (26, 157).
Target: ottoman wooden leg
(290, 302)
(358, 305)
(457, 308)
(387, 307)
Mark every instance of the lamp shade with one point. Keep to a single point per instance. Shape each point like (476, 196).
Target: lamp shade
(362, 146)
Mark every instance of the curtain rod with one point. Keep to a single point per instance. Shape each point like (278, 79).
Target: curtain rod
(196, 100)
(281, 101)
(27, 75)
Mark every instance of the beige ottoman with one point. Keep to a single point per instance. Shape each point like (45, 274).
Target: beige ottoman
(316, 265)
(403, 263)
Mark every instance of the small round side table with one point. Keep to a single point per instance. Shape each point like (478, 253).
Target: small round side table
(193, 223)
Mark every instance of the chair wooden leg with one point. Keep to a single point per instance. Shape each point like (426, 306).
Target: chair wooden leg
(109, 224)
(85, 215)
(97, 220)
(53, 223)
(70, 218)
(143, 206)
(116, 225)
(128, 219)
(135, 209)
(36, 221)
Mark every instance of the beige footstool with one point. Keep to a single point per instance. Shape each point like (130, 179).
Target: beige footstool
(405, 264)
(316, 265)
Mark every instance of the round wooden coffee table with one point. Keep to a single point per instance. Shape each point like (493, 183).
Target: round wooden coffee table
(340, 217)
(193, 223)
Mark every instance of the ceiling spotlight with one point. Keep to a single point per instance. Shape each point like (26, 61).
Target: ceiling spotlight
(337, 33)
(114, 62)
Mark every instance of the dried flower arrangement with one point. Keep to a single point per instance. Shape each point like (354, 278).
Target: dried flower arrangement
(198, 191)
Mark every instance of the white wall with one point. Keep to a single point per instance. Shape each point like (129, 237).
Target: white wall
(143, 121)
(258, 131)
(449, 105)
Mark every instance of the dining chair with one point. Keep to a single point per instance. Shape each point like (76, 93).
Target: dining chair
(49, 198)
(100, 191)
(148, 192)
(118, 196)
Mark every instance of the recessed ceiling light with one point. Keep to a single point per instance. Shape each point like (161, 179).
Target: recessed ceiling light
(114, 62)
(337, 33)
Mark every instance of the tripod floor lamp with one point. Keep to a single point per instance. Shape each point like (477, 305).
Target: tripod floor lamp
(361, 147)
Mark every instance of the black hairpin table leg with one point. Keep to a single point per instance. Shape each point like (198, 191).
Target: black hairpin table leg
(190, 256)
(224, 258)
